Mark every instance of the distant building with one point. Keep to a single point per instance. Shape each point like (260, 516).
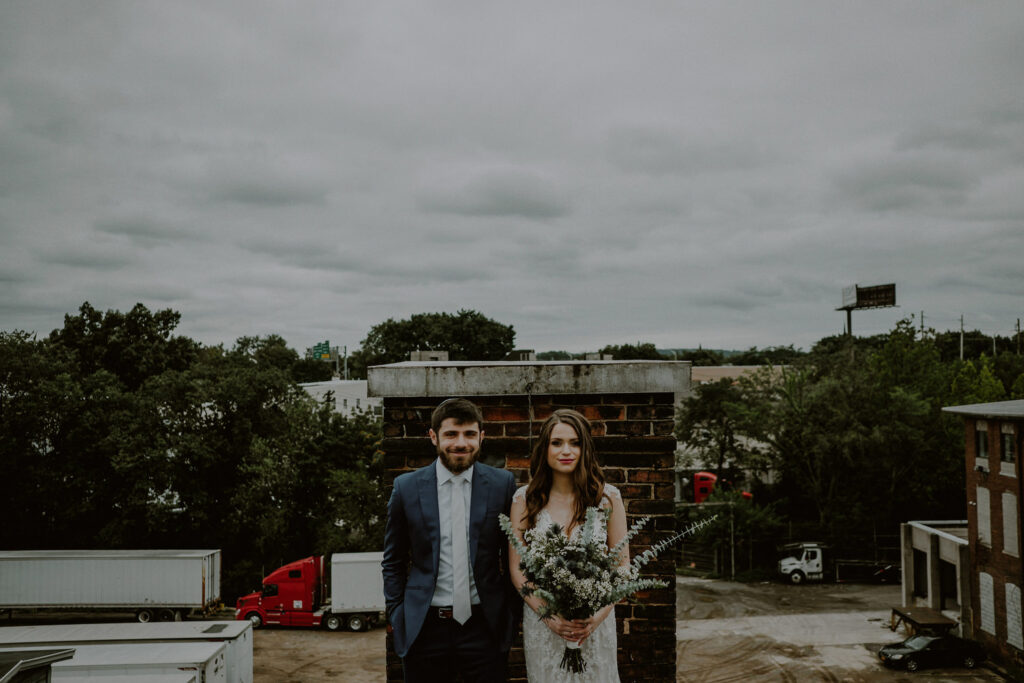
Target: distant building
(344, 395)
(521, 355)
(994, 477)
(428, 356)
(937, 568)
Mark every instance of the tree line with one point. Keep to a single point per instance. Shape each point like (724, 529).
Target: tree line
(118, 433)
(852, 432)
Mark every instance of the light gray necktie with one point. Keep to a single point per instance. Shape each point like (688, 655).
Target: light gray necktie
(461, 609)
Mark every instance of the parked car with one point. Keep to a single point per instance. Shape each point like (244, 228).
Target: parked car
(929, 650)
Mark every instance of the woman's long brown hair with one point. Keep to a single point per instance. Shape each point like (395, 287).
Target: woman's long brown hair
(588, 479)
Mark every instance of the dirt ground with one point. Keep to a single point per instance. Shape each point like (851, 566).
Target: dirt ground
(725, 632)
(777, 632)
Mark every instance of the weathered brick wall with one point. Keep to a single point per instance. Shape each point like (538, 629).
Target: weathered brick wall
(635, 445)
(991, 559)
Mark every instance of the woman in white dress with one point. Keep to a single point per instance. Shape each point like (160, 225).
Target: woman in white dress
(565, 480)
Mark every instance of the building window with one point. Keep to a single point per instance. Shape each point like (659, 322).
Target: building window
(1008, 444)
(981, 444)
(1011, 544)
(984, 516)
(988, 602)
(1014, 625)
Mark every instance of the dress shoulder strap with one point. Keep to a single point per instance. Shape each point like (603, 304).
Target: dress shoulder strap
(610, 493)
(520, 494)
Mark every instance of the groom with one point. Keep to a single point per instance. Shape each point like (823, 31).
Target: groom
(446, 584)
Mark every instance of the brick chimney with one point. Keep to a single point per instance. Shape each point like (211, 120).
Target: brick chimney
(631, 405)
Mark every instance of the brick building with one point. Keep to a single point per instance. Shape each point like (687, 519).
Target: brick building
(994, 494)
(632, 407)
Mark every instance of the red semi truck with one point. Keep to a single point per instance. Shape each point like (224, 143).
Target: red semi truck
(348, 592)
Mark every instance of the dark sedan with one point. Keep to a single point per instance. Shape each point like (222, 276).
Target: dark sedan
(922, 650)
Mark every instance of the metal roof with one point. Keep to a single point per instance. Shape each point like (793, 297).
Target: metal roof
(81, 634)
(117, 554)
(999, 409)
(13, 662)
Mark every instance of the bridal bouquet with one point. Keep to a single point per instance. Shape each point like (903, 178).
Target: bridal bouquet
(577, 575)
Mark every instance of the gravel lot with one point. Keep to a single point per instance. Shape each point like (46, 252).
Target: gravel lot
(777, 632)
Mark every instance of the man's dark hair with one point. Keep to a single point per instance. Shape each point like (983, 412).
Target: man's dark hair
(458, 409)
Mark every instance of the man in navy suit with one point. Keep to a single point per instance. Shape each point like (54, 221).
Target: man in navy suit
(449, 600)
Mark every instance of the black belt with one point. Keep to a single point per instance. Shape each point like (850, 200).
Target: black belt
(446, 612)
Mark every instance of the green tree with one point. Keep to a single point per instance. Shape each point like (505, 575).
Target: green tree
(860, 436)
(773, 355)
(638, 351)
(707, 423)
(554, 355)
(131, 346)
(975, 382)
(312, 370)
(702, 357)
(467, 335)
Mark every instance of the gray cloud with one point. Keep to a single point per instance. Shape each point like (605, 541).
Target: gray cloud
(88, 257)
(685, 173)
(499, 193)
(658, 152)
(146, 232)
(905, 183)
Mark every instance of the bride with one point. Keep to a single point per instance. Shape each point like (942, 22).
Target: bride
(565, 480)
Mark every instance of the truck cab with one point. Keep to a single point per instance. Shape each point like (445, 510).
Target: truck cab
(290, 596)
(801, 562)
(344, 590)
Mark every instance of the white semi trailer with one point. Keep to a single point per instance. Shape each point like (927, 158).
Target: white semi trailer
(162, 585)
(236, 635)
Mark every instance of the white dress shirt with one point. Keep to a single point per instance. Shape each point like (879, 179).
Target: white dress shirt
(445, 578)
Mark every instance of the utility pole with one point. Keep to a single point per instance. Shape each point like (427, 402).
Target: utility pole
(1018, 336)
(961, 336)
(922, 322)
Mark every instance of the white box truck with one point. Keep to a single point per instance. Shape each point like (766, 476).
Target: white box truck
(155, 584)
(813, 561)
(304, 593)
(237, 635)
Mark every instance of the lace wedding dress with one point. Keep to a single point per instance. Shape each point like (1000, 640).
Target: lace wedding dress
(543, 649)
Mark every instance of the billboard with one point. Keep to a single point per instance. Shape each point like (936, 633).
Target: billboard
(875, 296)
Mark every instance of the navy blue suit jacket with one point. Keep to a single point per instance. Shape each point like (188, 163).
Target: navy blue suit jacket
(412, 550)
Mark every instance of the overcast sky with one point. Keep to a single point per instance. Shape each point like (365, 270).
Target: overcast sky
(682, 173)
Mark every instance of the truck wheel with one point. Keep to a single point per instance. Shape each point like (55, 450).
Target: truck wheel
(332, 622)
(797, 577)
(165, 615)
(255, 619)
(356, 622)
(144, 616)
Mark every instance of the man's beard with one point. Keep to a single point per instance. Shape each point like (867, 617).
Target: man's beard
(458, 466)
